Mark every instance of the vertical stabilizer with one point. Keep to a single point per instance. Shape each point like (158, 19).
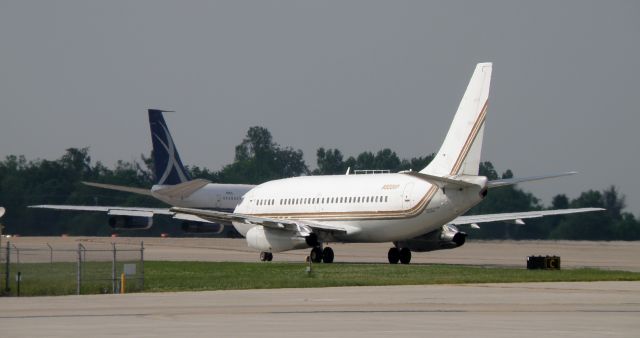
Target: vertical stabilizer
(460, 152)
(166, 160)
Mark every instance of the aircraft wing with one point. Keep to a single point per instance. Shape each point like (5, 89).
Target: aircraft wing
(96, 208)
(302, 226)
(516, 217)
(124, 211)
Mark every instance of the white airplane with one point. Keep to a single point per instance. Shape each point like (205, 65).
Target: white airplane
(416, 211)
(173, 186)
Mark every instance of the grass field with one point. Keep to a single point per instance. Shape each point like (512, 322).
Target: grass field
(60, 278)
(183, 276)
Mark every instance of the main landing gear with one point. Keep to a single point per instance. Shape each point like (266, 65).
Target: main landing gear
(318, 255)
(266, 256)
(403, 255)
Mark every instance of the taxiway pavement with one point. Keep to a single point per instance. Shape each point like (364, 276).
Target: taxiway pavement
(597, 309)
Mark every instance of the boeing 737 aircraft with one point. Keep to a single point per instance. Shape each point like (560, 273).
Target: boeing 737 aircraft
(173, 186)
(416, 211)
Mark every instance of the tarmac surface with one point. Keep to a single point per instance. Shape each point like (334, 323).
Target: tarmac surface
(597, 309)
(574, 254)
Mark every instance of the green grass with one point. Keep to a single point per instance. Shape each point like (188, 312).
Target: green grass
(190, 276)
(59, 278)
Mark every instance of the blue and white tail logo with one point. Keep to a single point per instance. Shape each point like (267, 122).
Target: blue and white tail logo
(166, 161)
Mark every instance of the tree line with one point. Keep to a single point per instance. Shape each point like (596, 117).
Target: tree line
(259, 159)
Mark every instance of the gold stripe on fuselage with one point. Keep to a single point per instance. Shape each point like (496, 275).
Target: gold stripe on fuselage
(356, 215)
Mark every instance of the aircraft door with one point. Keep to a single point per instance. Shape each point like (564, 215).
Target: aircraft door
(407, 196)
(217, 200)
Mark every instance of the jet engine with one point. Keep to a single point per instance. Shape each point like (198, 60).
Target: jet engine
(121, 222)
(448, 237)
(274, 240)
(202, 228)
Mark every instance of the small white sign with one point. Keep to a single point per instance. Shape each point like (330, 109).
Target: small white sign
(129, 269)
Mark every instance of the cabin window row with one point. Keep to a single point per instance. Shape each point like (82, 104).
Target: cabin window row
(325, 200)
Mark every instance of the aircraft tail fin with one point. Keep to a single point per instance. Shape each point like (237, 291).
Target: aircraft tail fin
(460, 151)
(166, 160)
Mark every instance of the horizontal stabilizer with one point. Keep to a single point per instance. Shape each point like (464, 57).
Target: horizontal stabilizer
(512, 181)
(441, 182)
(517, 217)
(182, 190)
(139, 191)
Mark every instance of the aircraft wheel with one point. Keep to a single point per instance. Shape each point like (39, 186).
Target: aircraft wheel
(327, 255)
(316, 255)
(405, 255)
(264, 256)
(393, 255)
(269, 256)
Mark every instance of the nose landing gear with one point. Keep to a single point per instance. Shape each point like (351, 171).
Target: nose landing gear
(266, 256)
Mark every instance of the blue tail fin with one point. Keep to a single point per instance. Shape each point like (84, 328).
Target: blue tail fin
(166, 161)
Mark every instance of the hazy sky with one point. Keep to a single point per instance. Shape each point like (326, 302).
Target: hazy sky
(352, 75)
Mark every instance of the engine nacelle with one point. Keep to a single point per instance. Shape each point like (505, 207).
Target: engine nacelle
(448, 237)
(202, 228)
(272, 240)
(130, 222)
